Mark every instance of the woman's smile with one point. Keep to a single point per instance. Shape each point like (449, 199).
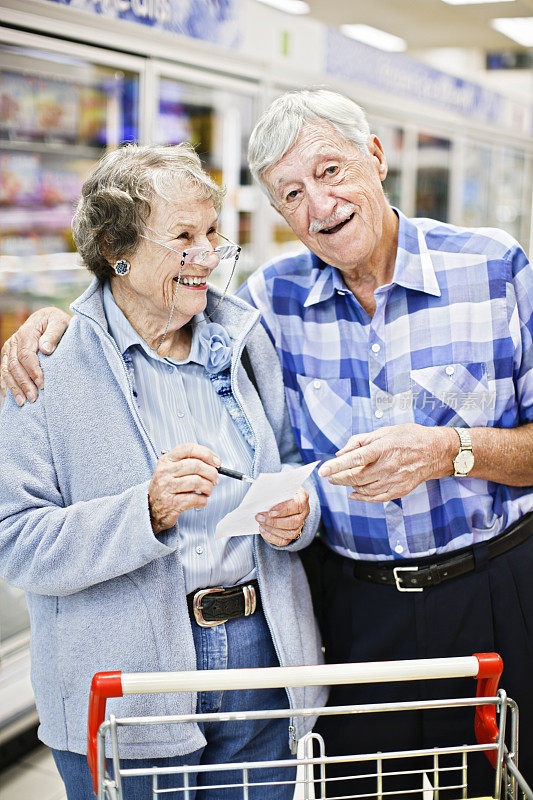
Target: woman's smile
(195, 282)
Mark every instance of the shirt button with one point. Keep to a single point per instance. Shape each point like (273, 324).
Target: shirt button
(398, 549)
(317, 384)
(180, 414)
(450, 370)
(199, 550)
(376, 348)
(379, 413)
(170, 368)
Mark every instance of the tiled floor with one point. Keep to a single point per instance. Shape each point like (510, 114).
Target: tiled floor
(34, 777)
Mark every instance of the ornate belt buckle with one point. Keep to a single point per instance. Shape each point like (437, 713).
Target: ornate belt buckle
(197, 608)
(398, 579)
(250, 599)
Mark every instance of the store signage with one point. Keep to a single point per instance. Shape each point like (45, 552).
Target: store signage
(212, 20)
(510, 59)
(408, 77)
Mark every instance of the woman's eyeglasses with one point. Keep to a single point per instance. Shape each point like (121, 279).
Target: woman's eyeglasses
(203, 256)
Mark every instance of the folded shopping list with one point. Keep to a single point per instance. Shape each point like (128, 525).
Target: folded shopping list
(267, 490)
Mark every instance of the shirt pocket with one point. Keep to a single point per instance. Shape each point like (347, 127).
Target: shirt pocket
(452, 394)
(326, 413)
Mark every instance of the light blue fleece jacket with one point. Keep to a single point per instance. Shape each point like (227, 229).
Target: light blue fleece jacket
(103, 592)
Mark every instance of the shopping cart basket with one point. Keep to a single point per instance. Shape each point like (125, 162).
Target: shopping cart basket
(311, 779)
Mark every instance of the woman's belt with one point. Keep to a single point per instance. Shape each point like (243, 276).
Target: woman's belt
(210, 607)
(409, 576)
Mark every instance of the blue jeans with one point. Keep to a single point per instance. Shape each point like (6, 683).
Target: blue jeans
(244, 642)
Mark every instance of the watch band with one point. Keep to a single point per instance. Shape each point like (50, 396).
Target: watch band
(464, 438)
(465, 445)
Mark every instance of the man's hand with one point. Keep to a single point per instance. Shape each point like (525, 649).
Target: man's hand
(283, 523)
(183, 479)
(20, 371)
(390, 462)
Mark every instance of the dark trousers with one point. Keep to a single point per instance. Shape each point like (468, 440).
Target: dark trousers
(489, 610)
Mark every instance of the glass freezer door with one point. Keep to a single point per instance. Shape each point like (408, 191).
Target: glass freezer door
(216, 118)
(433, 177)
(62, 105)
(61, 108)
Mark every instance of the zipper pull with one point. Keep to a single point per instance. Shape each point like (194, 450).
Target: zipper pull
(293, 744)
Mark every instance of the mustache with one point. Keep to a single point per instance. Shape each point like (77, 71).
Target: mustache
(341, 213)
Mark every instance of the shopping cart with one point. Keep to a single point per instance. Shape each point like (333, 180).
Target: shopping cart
(446, 775)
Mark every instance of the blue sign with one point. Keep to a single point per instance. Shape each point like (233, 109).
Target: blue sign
(393, 72)
(214, 21)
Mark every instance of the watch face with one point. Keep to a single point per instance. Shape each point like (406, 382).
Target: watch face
(464, 462)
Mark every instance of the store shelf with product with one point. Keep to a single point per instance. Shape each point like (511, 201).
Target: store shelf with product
(47, 98)
(26, 285)
(37, 263)
(51, 147)
(58, 115)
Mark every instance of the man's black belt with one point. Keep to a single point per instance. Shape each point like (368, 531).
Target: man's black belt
(409, 576)
(210, 607)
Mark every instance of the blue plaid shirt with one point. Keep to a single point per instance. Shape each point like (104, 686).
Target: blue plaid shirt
(449, 344)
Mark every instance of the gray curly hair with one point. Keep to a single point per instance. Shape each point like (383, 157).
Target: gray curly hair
(117, 197)
(279, 126)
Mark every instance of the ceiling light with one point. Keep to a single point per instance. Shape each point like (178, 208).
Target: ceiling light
(375, 37)
(290, 6)
(520, 29)
(471, 2)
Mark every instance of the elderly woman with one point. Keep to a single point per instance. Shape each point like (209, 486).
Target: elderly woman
(110, 490)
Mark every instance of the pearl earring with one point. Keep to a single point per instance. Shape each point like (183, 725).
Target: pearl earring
(122, 267)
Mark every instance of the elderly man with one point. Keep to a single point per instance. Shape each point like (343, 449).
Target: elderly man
(407, 361)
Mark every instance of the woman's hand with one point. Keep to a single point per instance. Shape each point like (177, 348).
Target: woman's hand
(20, 371)
(283, 523)
(183, 479)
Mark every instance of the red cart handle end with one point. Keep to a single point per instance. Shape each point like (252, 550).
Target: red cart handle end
(103, 685)
(488, 677)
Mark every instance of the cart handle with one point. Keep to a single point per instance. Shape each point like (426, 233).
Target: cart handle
(487, 667)
(103, 685)
(485, 725)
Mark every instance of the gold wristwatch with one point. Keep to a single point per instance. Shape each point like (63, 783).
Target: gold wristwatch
(464, 460)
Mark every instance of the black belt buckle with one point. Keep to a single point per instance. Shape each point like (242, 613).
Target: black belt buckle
(250, 604)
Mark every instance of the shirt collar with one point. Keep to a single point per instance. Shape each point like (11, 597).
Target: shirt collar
(126, 336)
(325, 280)
(413, 268)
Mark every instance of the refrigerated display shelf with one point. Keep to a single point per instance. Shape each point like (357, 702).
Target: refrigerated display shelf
(17, 704)
(54, 147)
(35, 218)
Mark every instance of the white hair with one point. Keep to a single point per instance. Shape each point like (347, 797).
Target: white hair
(279, 126)
(118, 195)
